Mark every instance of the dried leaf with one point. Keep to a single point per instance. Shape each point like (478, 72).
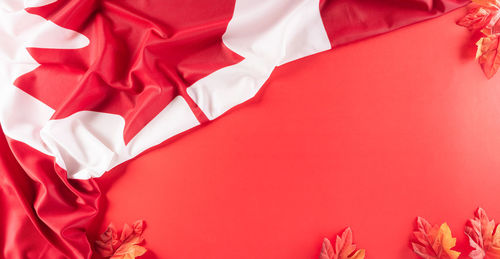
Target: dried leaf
(130, 253)
(487, 3)
(476, 18)
(127, 231)
(138, 227)
(434, 242)
(484, 15)
(483, 237)
(127, 247)
(131, 237)
(344, 249)
(108, 241)
(488, 54)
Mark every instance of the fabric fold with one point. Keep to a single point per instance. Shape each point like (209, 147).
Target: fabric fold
(88, 85)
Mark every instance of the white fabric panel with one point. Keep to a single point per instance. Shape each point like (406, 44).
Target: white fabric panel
(36, 3)
(87, 144)
(22, 116)
(266, 34)
(229, 86)
(26, 120)
(19, 5)
(174, 119)
(30, 30)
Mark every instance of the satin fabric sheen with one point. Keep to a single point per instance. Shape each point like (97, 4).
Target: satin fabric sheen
(351, 20)
(141, 55)
(42, 213)
(149, 57)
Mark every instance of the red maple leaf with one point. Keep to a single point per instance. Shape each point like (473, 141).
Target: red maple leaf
(488, 54)
(141, 55)
(477, 17)
(483, 237)
(342, 249)
(433, 241)
(484, 15)
(125, 247)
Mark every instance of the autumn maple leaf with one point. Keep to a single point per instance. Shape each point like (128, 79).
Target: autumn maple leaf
(476, 18)
(127, 247)
(344, 249)
(483, 237)
(488, 54)
(108, 242)
(487, 3)
(484, 15)
(434, 242)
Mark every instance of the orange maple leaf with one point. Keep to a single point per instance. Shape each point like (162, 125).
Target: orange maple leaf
(434, 242)
(476, 18)
(484, 15)
(344, 249)
(483, 237)
(487, 3)
(127, 247)
(488, 54)
(109, 241)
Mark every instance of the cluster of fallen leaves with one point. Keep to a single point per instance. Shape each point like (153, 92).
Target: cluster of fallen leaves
(430, 241)
(125, 247)
(483, 16)
(437, 241)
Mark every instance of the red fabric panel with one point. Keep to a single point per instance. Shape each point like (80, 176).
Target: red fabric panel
(42, 214)
(350, 20)
(141, 55)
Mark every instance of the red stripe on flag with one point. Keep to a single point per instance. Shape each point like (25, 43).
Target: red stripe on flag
(351, 20)
(42, 213)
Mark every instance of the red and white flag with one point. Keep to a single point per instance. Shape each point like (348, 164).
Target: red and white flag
(87, 85)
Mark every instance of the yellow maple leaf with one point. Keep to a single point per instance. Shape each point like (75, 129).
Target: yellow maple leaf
(494, 251)
(433, 241)
(446, 241)
(479, 45)
(488, 54)
(360, 254)
(131, 252)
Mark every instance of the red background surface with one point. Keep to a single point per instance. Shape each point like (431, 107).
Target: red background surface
(369, 135)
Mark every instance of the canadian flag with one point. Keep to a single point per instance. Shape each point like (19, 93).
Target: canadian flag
(88, 85)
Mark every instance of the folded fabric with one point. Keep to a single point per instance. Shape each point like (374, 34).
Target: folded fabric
(88, 85)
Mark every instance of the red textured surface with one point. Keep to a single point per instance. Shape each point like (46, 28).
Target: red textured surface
(369, 135)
